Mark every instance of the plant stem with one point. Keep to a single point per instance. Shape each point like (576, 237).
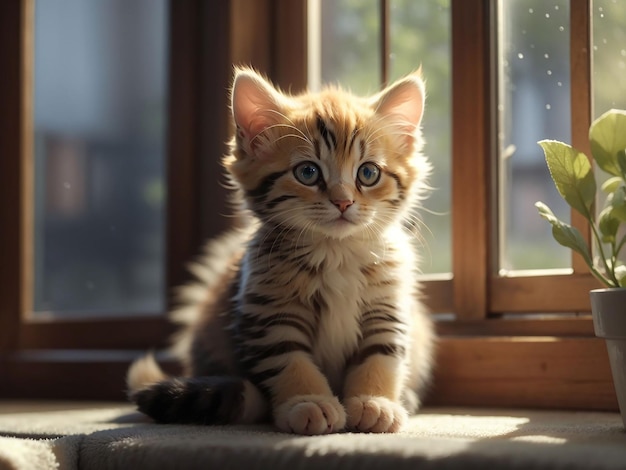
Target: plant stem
(612, 280)
(620, 246)
(600, 277)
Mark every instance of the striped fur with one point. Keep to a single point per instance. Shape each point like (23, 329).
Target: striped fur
(310, 314)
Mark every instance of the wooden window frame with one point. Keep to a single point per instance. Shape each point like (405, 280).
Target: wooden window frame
(485, 356)
(491, 353)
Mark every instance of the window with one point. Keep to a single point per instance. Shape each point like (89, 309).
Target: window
(510, 334)
(99, 179)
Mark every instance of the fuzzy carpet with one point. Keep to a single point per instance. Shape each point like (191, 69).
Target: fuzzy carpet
(113, 436)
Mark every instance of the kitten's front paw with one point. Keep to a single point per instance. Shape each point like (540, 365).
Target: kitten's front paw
(374, 414)
(310, 414)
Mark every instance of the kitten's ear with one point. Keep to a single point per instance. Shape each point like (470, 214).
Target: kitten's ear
(403, 103)
(256, 105)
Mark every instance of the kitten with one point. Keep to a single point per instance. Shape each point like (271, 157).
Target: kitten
(308, 315)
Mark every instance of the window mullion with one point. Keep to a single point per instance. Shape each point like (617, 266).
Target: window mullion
(289, 67)
(15, 54)
(581, 99)
(471, 155)
(385, 48)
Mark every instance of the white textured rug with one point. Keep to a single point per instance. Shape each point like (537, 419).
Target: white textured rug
(113, 436)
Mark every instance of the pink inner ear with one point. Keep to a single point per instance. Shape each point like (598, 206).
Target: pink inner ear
(403, 104)
(255, 107)
(404, 101)
(250, 137)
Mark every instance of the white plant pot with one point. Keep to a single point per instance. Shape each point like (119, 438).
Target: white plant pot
(608, 307)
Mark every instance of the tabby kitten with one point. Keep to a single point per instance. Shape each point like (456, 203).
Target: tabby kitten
(309, 314)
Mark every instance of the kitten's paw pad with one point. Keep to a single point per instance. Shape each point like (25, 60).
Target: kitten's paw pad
(310, 414)
(374, 414)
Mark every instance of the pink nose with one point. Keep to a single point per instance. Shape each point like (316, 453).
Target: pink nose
(343, 204)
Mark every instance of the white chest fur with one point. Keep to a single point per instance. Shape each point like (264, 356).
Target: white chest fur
(341, 288)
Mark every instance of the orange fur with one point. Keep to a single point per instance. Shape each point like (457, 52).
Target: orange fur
(315, 304)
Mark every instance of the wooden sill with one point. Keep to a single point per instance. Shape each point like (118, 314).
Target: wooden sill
(535, 372)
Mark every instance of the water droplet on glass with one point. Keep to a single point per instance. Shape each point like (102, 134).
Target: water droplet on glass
(556, 7)
(559, 84)
(623, 52)
(604, 41)
(549, 72)
(520, 56)
(548, 107)
(547, 15)
(66, 185)
(546, 56)
(561, 28)
(595, 48)
(530, 10)
(601, 15)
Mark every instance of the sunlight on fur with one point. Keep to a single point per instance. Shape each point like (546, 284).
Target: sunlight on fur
(307, 314)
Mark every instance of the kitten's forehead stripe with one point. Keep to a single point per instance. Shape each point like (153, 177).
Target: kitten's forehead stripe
(352, 139)
(326, 133)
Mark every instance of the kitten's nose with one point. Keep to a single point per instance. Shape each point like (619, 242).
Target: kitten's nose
(343, 204)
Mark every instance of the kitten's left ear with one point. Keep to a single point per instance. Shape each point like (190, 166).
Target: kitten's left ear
(256, 105)
(403, 103)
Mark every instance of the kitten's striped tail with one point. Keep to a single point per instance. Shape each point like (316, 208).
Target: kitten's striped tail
(193, 400)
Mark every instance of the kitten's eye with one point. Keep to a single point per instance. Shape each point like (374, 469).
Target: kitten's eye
(368, 174)
(307, 173)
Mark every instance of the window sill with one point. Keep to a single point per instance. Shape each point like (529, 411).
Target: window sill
(502, 371)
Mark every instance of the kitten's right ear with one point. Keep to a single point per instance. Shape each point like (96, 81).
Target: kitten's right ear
(256, 105)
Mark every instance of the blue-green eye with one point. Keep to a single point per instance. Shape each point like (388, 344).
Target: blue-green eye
(308, 173)
(368, 174)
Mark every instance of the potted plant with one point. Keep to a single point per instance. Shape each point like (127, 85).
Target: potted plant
(574, 178)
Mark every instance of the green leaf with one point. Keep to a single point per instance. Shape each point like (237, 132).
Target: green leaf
(617, 202)
(621, 161)
(571, 171)
(608, 225)
(611, 184)
(608, 136)
(565, 234)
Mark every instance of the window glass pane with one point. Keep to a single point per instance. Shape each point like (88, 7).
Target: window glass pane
(609, 55)
(100, 104)
(533, 104)
(419, 35)
(350, 43)
(609, 72)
